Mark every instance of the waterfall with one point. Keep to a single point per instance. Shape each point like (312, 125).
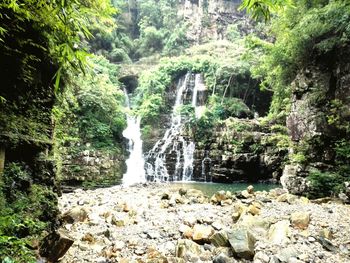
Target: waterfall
(173, 145)
(135, 172)
(198, 103)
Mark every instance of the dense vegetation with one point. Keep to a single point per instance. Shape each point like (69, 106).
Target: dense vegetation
(58, 101)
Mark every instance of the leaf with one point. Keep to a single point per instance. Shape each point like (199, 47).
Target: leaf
(57, 80)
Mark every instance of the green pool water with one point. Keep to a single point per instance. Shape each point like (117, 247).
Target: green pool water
(211, 188)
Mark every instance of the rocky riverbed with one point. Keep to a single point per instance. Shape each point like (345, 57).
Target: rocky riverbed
(165, 223)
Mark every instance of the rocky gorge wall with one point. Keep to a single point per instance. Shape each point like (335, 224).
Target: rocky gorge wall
(319, 119)
(92, 166)
(209, 19)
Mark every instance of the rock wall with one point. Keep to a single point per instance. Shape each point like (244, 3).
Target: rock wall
(208, 19)
(239, 155)
(92, 166)
(319, 116)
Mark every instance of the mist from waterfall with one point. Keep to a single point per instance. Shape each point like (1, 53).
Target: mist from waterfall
(135, 172)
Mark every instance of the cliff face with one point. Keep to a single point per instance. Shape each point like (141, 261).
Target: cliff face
(319, 119)
(209, 19)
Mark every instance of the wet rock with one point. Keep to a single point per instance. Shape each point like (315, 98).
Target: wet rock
(76, 214)
(202, 233)
(185, 246)
(279, 232)
(300, 220)
(242, 243)
(55, 245)
(220, 239)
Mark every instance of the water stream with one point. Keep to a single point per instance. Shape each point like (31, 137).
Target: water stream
(135, 163)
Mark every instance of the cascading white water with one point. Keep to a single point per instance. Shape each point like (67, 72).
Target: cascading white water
(158, 170)
(188, 150)
(198, 87)
(171, 158)
(135, 172)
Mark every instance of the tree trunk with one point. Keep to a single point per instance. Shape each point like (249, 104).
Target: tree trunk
(2, 159)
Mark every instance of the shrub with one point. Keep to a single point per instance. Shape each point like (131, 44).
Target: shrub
(324, 183)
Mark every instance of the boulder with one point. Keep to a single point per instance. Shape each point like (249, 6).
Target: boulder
(220, 239)
(292, 180)
(55, 245)
(257, 225)
(76, 214)
(185, 246)
(279, 233)
(242, 243)
(300, 220)
(202, 233)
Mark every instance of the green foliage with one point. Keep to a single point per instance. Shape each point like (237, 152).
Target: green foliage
(93, 106)
(311, 28)
(60, 24)
(25, 212)
(324, 184)
(263, 9)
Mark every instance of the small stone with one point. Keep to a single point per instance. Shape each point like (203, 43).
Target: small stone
(190, 221)
(222, 258)
(165, 196)
(119, 245)
(311, 239)
(261, 257)
(252, 209)
(88, 237)
(326, 233)
(245, 194)
(120, 222)
(300, 220)
(153, 234)
(286, 253)
(250, 189)
(217, 225)
(226, 202)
